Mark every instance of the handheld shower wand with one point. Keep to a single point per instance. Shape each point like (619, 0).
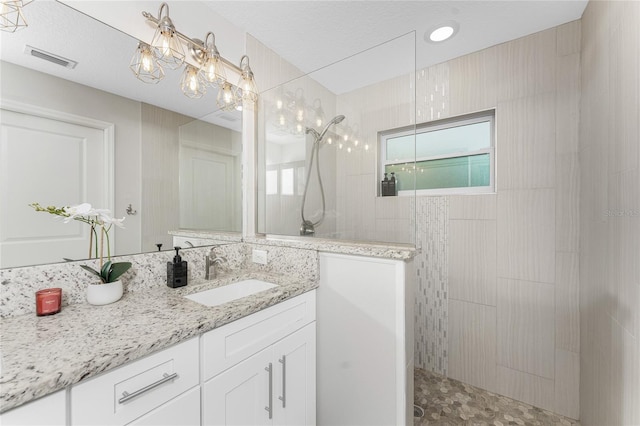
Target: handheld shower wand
(308, 227)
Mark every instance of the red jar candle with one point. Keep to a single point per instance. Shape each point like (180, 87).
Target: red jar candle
(48, 301)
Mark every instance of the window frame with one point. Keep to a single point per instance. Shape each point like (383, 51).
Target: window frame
(442, 124)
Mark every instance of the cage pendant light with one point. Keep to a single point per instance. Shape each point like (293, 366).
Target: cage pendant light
(165, 43)
(227, 100)
(11, 17)
(191, 83)
(247, 89)
(144, 65)
(212, 69)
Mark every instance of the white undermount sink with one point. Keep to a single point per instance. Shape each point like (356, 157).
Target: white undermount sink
(227, 293)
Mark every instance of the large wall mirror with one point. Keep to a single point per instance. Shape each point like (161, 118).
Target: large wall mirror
(77, 126)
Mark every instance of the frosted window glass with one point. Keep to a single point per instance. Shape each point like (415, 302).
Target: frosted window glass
(272, 182)
(434, 143)
(287, 181)
(469, 138)
(458, 172)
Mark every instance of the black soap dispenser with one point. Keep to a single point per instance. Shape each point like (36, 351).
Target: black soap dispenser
(385, 186)
(177, 271)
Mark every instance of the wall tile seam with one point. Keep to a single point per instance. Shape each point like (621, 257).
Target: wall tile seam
(522, 280)
(624, 329)
(524, 97)
(472, 220)
(470, 302)
(553, 379)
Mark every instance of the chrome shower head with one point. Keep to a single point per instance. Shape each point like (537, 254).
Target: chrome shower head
(335, 120)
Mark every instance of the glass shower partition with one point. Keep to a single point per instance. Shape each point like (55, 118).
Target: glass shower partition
(318, 172)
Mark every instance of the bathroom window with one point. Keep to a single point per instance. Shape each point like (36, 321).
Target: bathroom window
(285, 178)
(452, 156)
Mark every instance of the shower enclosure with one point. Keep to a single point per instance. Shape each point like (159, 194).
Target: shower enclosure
(318, 147)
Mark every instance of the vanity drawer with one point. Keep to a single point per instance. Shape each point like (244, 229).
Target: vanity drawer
(126, 393)
(228, 345)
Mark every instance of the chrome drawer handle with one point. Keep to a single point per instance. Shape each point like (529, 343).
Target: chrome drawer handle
(283, 398)
(269, 408)
(126, 396)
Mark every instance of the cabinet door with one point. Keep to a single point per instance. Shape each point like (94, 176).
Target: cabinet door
(241, 394)
(184, 410)
(295, 378)
(48, 410)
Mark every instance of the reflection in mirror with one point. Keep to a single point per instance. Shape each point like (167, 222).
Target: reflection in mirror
(319, 142)
(92, 132)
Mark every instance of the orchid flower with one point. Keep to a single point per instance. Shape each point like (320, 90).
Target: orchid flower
(96, 218)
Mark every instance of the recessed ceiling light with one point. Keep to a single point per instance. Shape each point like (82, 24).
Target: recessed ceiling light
(441, 32)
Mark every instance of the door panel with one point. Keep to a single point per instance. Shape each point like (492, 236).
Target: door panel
(295, 378)
(67, 164)
(238, 396)
(207, 189)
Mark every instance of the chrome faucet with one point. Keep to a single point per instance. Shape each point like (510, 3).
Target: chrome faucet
(210, 272)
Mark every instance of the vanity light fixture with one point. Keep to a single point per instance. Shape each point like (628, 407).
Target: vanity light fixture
(144, 66)
(11, 17)
(442, 32)
(165, 43)
(212, 69)
(227, 101)
(192, 83)
(247, 89)
(205, 66)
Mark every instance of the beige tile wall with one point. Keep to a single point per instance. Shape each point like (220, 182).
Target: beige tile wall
(609, 225)
(510, 306)
(513, 255)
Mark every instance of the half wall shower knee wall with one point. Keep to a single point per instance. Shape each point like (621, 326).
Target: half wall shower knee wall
(329, 119)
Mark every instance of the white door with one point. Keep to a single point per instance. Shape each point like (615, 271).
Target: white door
(295, 378)
(240, 395)
(207, 189)
(50, 162)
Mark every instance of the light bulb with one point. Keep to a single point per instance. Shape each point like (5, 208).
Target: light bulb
(340, 145)
(300, 115)
(279, 104)
(355, 143)
(318, 121)
(166, 44)
(228, 96)
(193, 82)
(346, 137)
(210, 70)
(299, 128)
(147, 61)
(366, 147)
(329, 141)
(282, 120)
(349, 150)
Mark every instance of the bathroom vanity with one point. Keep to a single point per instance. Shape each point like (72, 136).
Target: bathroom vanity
(157, 356)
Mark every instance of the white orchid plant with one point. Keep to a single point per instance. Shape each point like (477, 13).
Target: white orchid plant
(101, 222)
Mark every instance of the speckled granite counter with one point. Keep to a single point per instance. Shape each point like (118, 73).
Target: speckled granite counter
(358, 248)
(43, 354)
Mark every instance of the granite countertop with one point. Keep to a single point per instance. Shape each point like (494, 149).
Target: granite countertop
(395, 251)
(40, 355)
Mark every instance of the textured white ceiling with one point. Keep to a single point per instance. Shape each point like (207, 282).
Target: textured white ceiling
(103, 55)
(313, 34)
(309, 34)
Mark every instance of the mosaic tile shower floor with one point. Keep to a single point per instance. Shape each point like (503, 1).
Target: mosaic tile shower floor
(450, 402)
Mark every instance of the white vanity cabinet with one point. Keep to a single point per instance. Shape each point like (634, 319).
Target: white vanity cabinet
(153, 386)
(365, 341)
(48, 410)
(260, 370)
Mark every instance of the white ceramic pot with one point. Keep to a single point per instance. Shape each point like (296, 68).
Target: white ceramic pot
(103, 294)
